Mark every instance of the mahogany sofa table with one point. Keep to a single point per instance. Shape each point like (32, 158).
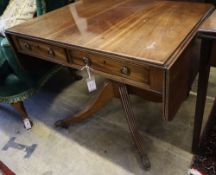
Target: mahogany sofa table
(207, 32)
(140, 46)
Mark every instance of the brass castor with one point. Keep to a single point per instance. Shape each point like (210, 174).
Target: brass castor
(28, 124)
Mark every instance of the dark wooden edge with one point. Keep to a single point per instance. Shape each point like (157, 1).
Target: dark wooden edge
(177, 85)
(187, 40)
(14, 51)
(208, 34)
(12, 37)
(70, 46)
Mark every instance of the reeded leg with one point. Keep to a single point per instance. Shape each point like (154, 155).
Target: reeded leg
(110, 90)
(19, 106)
(125, 100)
(105, 95)
(201, 92)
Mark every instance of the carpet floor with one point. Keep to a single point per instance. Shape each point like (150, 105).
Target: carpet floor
(205, 161)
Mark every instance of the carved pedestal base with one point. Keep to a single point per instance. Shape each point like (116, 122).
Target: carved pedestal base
(111, 89)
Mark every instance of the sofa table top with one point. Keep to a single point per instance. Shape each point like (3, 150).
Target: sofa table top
(155, 32)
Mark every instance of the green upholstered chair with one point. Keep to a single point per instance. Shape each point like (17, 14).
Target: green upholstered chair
(17, 83)
(3, 5)
(44, 6)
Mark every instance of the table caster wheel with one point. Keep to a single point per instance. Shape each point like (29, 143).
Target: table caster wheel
(146, 163)
(27, 123)
(61, 124)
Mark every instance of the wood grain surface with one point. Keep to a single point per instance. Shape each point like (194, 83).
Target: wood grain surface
(209, 25)
(208, 30)
(141, 43)
(151, 31)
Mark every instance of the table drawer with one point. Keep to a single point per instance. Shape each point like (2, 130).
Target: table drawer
(42, 50)
(118, 69)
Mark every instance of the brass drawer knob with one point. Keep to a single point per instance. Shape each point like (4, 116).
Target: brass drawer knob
(51, 52)
(125, 71)
(27, 46)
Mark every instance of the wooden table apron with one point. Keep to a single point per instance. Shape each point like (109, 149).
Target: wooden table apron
(141, 47)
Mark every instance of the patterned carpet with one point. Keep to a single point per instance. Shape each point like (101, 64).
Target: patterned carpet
(205, 162)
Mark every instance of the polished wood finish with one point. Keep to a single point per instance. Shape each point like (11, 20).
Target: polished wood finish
(131, 120)
(114, 68)
(178, 83)
(105, 95)
(120, 35)
(38, 49)
(142, 46)
(118, 90)
(207, 33)
(208, 28)
(145, 25)
(20, 108)
(201, 92)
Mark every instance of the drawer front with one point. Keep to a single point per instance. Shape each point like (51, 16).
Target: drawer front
(42, 50)
(112, 67)
(118, 69)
